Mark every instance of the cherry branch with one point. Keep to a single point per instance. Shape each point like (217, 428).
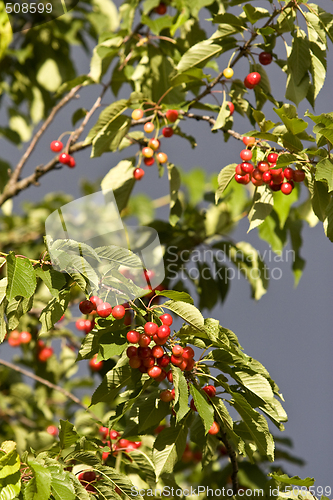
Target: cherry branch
(233, 459)
(49, 384)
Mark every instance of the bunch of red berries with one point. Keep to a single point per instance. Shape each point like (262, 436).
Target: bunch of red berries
(210, 390)
(266, 171)
(152, 360)
(95, 306)
(16, 338)
(150, 152)
(43, 352)
(87, 479)
(64, 158)
(120, 445)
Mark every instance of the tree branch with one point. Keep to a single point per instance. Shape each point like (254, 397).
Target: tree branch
(233, 459)
(212, 122)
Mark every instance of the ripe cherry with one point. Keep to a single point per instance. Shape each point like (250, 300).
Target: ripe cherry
(210, 390)
(114, 435)
(150, 328)
(144, 340)
(89, 476)
(166, 319)
(135, 362)
(190, 364)
(148, 127)
(52, 430)
(192, 405)
(104, 432)
(263, 166)
(147, 152)
(248, 141)
(272, 157)
(95, 300)
(162, 157)
(242, 179)
(148, 362)
(131, 351)
(252, 79)
(288, 173)
(71, 162)
(88, 325)
(161, 377)
(104, 310)
(298, 175)
(64, 158)
(167, 132)
(137, 114)
(44, 354)
(154, 144)
(265, 58)
(286, 188)
(231, 107)
(163, 361)
(176, 360)
(170, 376)
(246, 154)
(267, 177)
(277, 179)
(238, 170)
(247, 167)
(215, 428)
(177, 350)
(118, 312)
(171, 115)
(166, 396)
(163, 332)
(144, 352)
(183, 365)
(149, 161)
(256, 182)
(56, 146)
(228, 73)
(159, 341)
(161, 9)
(133, 336)
(188, 352)
(80, 324)
(138, 174)
(256, 174)
(274, 187)
(94, 365)
(86, 306)
(25, 337)
(154, 371)
(157, 351)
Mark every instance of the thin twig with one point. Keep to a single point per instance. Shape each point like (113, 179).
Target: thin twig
(233, 459)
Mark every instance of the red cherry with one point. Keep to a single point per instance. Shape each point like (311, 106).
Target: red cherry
(192, 405)
(52, 430)
(161, 9)
(247, 167)
(90, 487)
(148, 161)
(89, 476)
(148, 362)
(133, 337)
(163, 332)
(272, 157)
(105, 456)
(161, 377)
(166, 396)
(286, 188)
(239, 171)
(64, 158)
(274, 187)
(163, 361)
(176, 360)
(263, 166)
(215, 428)
(88, 325)
(171, 115)
(252, 79)
(135, 362)
(80, 324)
(56, 146)
(157, 351)
(144, 352)
(190, 365)
(154, 371)
(131, 351)
(188, 352)
(248, 141)
(231, 107)
(118, 312)
(256, 182)
(183, 365)
(170, 376)
(159, 341)
(138, 173)
(288, 173)
(25, 337)
(86, 307)
(256, 174)
(167, 132)
(150, 328)
(242, 179)
(44, 354)
(71, 163)
(298, 175)
(278, 179)
(154, 144)
(104, 310)
(166, 319)
(147, 152)
(267, 177)
(114, 435)
(210, 390)
(177, 350)
(94, 365)
(162, 157)
(265, 58)
(95, 301)
(104, 432)
(246, 154)
(144, 340)
(148, 127)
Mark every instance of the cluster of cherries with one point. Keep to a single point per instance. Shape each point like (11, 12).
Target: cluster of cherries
(277, 179)
(121, 444)
(150, 152)
(161, 9)
(210, 391)
(64, 158)
(16, 338)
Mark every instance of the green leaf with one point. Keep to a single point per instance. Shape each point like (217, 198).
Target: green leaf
(175, 205)
(283, 203)
(288, 115)
(53, 311)
(174, 295)
(299, 60)
(187, 312)
(39, 487)
(21, 277)
(295, 480)
(271, 232)
(328, 221)
(181, 393)
(157, 25)
(224, 178)
(253, 14)
(262, 206)
(105, 119)
(114, 380)
(318, 68)
(205, 409)
(79, 80)
(320, 199)
(112, 478)
(3, 288)
(3, 329)
(169, 447)
(111, 344)
(54, 280)
(198, 55)
(67, 434)
(296, 93)
(61, 485)
(120, 179)
(223, 115)
(151, 412)
(324, 172)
